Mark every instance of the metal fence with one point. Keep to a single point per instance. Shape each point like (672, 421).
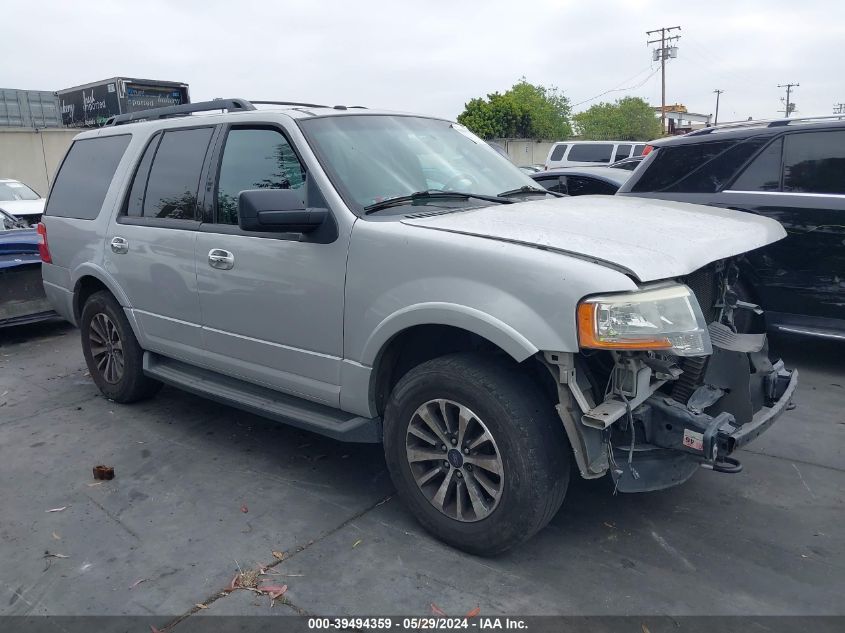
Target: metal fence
(29, 108)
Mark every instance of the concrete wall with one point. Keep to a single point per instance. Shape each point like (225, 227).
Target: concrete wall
(32, 156)
(524, 151)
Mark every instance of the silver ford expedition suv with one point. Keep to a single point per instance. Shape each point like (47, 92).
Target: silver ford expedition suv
(383, 277)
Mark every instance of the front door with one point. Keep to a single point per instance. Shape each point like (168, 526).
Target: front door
(272, 303)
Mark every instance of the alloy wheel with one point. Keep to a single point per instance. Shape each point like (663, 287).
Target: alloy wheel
(454, 460)
(106, 348)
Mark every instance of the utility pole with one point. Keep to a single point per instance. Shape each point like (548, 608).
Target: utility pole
(718, 92)
(663, 53)
(839, 108)
(788, 106)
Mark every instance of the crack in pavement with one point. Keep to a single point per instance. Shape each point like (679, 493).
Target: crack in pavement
(299, 610)
(797, 461)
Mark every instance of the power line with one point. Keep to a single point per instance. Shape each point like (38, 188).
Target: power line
(663, 53)
(788, 106)
(650, 75)
(718, 94)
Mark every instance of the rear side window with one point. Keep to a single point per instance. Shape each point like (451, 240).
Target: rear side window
(763, 174)
(697, 168)
(85, 176)
(814, 162)
(552, 184)
(173, 182)
(638, 149)
(622, 151)
(558, 152)
(255, 159)
(591, 153)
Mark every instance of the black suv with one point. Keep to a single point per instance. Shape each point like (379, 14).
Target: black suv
(792, 170)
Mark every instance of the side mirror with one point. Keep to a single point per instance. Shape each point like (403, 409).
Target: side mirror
(277, 210)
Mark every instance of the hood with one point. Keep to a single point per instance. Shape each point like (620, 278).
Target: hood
(23, 207)
(648, 239)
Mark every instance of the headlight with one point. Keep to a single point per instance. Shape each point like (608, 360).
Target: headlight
(667, 318)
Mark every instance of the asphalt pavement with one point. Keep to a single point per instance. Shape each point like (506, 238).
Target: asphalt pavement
(202, 492)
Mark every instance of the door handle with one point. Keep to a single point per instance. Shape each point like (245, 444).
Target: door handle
(220, 259)
(119, 245)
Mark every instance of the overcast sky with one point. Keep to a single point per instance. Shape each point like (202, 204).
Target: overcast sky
(432, 56)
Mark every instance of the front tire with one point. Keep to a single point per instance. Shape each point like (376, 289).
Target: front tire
(111, 351)
(476, 451)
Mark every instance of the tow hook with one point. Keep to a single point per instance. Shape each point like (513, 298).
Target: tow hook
(724, 465)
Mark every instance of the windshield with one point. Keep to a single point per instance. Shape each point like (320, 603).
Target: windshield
(372, 158)
(11, 190)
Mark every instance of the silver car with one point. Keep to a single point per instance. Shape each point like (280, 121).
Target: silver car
(382, 277)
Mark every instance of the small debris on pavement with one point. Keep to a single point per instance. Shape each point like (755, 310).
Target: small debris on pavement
(200, 606)
(104, 473)
(62, 509)
(138, 582)
(356, 543)
(49, 554)
(474, 612)
(57, 537)
(437, 610)
(279, 555)
(244, 509)
(95, 483)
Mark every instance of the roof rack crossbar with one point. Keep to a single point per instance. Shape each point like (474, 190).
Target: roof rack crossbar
(181, 110)
(765, 123)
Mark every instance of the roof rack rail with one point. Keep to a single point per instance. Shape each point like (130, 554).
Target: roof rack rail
(291, 103)
(181, 110)
(766, 123)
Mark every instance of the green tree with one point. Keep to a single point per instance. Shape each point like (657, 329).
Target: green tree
(627, 119)
(524, 111)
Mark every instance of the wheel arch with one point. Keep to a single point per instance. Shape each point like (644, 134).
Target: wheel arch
(416, 335)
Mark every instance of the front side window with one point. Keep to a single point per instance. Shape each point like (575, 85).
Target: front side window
(11, 190)
(171, 191)
(579, 186)
(255, 158)
(85, 176)
(372, 158)
(763, 174)
(814, 162)
(591, 152)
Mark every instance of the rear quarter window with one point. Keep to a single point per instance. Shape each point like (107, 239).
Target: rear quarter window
(558, 152)
(699, 167)
(85, 176)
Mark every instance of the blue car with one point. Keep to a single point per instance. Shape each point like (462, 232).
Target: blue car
(22, 298)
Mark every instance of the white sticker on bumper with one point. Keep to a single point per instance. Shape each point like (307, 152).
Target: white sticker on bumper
(693, 440)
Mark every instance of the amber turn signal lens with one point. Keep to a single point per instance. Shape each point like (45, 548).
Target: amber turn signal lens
(587, 333)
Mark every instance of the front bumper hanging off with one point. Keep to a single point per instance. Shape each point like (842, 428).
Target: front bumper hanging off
(749, 395)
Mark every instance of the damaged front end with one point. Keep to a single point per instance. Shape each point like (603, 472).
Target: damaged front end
(651, 417)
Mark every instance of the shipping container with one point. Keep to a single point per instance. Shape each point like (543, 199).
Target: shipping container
(29, 108)
(93, 104)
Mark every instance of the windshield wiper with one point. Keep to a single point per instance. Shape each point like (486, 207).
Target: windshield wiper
(528, 189)
(432, 194)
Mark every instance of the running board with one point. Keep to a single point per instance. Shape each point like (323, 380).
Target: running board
(262, 401)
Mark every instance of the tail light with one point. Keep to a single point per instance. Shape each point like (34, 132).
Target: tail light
(647, 150)
(43, 248)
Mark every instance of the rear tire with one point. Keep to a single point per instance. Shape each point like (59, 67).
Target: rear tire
(478, 510)
(111, 351)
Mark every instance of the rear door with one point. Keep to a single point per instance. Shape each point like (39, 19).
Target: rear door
(273, 314)
(150, 245)
(799, 180)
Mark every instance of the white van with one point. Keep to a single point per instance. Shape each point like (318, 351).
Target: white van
(583, 153)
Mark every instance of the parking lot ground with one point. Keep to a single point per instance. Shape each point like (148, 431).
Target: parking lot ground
(202, 490)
